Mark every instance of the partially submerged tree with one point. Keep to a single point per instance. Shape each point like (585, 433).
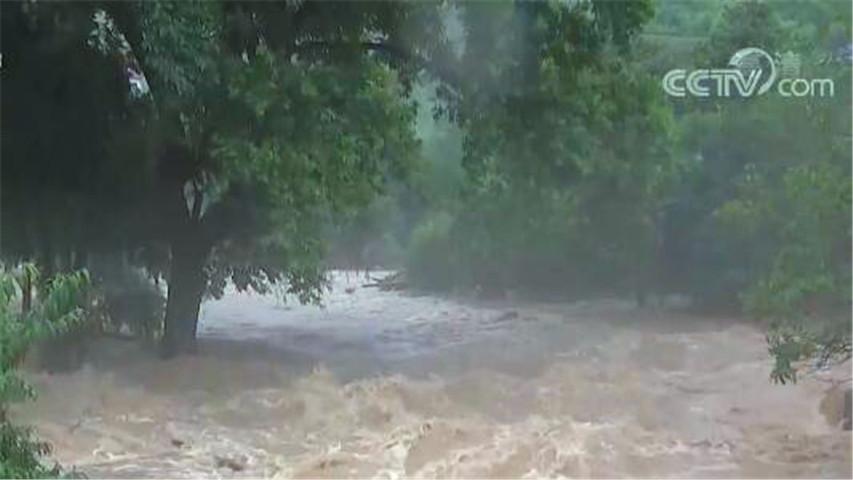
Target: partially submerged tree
(261, 136)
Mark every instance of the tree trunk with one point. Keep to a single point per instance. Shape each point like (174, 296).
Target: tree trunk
(26, 294)
(190, 247)
(187, 283)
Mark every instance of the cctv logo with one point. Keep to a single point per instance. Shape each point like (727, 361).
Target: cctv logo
(752, 72)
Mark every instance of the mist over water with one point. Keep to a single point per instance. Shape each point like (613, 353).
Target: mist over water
(390, 384)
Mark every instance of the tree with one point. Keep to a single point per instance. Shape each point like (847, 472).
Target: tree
(566, 149)
(790, 212)
(762, 219)
(262, 140)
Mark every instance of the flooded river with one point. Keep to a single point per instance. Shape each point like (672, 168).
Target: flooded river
(389, 385)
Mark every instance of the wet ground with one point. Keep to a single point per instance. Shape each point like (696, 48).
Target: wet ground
(388, 384)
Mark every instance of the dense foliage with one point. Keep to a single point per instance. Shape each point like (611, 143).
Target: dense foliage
(766, 209)
(742, 204)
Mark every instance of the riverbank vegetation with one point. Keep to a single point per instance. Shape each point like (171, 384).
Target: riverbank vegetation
(33, 310)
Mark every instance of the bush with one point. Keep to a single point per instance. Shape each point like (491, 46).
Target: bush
(27, 316)
(20, 454)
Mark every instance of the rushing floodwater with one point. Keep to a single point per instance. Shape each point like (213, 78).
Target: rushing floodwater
(386, 384)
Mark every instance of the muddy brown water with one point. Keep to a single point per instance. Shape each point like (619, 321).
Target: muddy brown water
(390, 385)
